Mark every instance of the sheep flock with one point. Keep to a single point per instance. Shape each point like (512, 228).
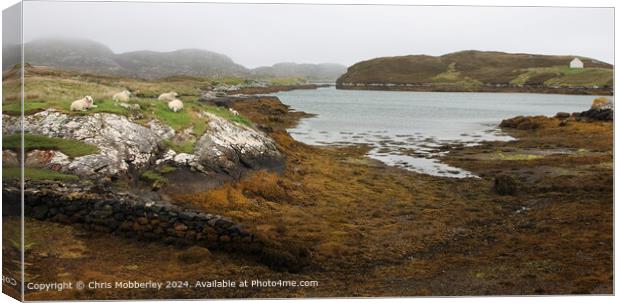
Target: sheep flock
(121, 99)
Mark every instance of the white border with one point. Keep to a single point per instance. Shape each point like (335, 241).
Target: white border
(573, 3)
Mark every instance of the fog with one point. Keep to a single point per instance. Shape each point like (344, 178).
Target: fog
(263, 34)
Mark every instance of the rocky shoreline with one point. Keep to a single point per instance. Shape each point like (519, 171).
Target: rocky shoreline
(509, 210)
(483, 89)
(276, 88)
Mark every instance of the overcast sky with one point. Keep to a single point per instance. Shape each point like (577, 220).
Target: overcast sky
(255, 35)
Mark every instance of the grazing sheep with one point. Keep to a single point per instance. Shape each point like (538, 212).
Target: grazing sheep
(168, 96)
(128, 106)
(234, 112)
(175, 105)
(83, 104)
(122, 96)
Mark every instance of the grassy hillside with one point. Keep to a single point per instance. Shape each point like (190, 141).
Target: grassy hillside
(48, 88)
(477, 68)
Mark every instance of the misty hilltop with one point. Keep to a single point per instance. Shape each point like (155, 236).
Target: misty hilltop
(93, 57)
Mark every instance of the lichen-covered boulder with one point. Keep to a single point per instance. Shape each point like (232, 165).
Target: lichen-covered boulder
(121, 142)
(50, 159)
(225, 147)
(232, 148)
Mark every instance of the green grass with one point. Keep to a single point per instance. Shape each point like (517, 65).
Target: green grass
(11, 173)
(226, 114)
(106, 106)
(59, 89)
(200, 127)
(183, 147)
(71, 148)
(585, 77)
(165, 169)
(190, 115)
(565, 76)
(179, 120)
(286, 81)
(226, 81)
(153, 176)
(517, 157)
(452, 76)
(30, 107)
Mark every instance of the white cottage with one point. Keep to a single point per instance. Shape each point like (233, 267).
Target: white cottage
(576, 63)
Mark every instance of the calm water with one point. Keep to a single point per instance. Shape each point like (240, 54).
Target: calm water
(406, 128)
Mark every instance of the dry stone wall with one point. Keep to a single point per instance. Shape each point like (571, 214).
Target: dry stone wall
(128, 215)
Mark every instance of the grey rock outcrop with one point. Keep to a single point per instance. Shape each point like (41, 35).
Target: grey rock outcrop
(225, 147)
(229, 148)
(596, 114)
(50, 159)
(121, 143)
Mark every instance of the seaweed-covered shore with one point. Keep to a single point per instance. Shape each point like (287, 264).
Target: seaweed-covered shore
(366, 229)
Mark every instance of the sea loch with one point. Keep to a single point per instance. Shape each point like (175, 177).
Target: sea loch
(407, 129)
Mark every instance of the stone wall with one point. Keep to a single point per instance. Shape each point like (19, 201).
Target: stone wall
(127, 215)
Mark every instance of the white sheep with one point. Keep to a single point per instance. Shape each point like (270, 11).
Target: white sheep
(175, 105)
(128, 106)
(234, 112)
(83, 104)
(122, 96)
(168, 96)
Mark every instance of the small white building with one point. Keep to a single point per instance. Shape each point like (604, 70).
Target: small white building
(576, 63)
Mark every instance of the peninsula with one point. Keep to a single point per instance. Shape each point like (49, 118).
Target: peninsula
(481, 71)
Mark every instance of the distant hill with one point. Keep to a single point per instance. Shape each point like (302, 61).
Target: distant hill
(72, 54)
(92, 57)
(186, 62)
(471, 70)
(316, 72)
